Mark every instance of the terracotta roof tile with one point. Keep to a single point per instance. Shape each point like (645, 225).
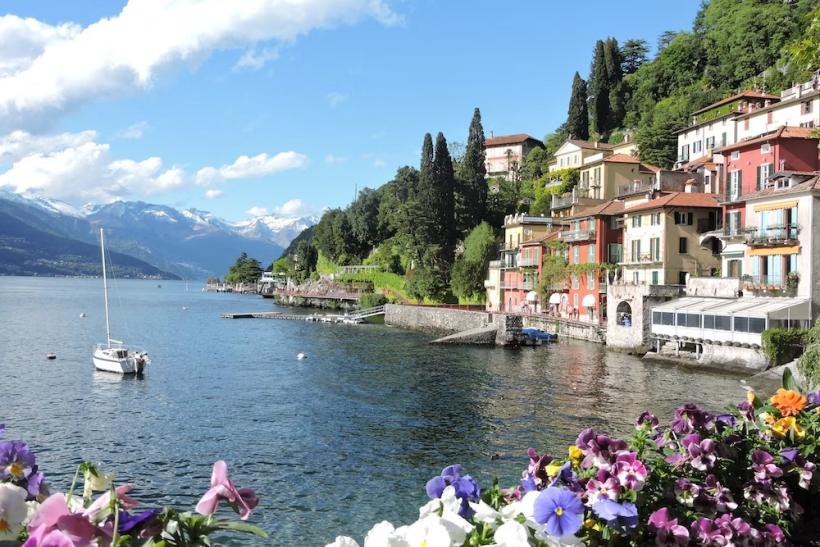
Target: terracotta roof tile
(508, 139)
(783, 132)
(741, 95)
(621, 158)
(812, 182)
(678, 199)
(611, 207)
(591, 145)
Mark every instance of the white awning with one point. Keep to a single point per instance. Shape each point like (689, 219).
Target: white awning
(733, 249)
(588, 301)
(773, 308)
(555, 298)
(532, 296)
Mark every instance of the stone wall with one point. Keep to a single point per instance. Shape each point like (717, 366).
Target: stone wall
(721, 287)
(435, 319)
(571, 329)
(640, 298)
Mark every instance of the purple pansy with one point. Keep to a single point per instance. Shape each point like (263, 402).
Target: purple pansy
(690, 417)
(763, 466)
(560, 511)
(700, 453)
(630, 471)
(130, 523)
(16, 460)
(466, 487)
(667, 530)
(622, 517)
(602, 490)
(647, 420)
(599, 450)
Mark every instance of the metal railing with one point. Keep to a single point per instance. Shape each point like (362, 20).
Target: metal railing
(578, 235)
(771, 235)
(765, 280)
(527, 261)
(636, 188)
(495, 263)
(563, 202)
(642, 258)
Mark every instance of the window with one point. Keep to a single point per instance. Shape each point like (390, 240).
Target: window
(763, 172)
(735, 154)
(710, 143)
(590, 280)
(576, 254)
(722, 322)
(805, 107)
(696, 147)
(591, 253)
(575, 282)
(733, 222)
(635, 278)
(723, 136)
(575, 300)
(684, 152)
(708, 321)
(742, 324)
(735, 180)
(684, 218)
(693, 320)
(765, 148)
(655, 219)
(636, 251)
(757, 325)
(636, 221)
(681, 278)
(681, 318)
(655, 277)
(655, 249)
(682, 245)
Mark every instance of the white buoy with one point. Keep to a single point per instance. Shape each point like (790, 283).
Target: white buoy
(82, 315)
(301, 356)
(184, 307)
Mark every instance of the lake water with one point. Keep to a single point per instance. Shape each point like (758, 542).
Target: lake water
(332, 444)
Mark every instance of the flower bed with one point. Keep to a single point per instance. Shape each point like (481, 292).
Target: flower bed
(745, 477)
(32, 517)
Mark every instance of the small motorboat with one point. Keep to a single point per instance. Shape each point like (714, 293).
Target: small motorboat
(82, 314)
(301, 356)
(538, 334)
(51, 356)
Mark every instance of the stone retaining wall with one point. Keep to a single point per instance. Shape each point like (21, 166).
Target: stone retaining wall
(571, 329)
(434, 319)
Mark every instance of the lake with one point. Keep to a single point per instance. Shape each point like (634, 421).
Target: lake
(332, 444)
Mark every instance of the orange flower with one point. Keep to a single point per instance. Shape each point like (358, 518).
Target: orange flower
(788, 402)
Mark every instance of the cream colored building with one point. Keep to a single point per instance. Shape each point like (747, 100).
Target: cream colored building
(661, 239)
(799, 106)
(504, 154)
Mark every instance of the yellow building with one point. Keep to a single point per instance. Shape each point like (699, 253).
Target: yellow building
(662, 239)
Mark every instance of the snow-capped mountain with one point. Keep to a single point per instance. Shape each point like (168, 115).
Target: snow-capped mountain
(190, 242)
(280, 230)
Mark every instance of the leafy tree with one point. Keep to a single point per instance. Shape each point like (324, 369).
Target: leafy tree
(304, 261)
(334, 236)
(363, 215)
(554, 140)
(804, 51)
(634, 53)
(244, 270)
(665, 39)
(578, 114)
(470, 269)
(471, 196)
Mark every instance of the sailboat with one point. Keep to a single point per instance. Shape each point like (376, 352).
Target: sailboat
(114, 356)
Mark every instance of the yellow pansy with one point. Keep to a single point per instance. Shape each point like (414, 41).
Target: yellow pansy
(575, 455)
(553, 469)
(781, 428)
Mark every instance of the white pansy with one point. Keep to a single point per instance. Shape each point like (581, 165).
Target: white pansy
(511, 534)
(433, 531)
(526, 507)
(343, 541)
(484, 513)
(13, 510)
(385, 535)
(99, 482)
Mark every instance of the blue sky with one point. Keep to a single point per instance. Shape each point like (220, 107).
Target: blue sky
(352, 101)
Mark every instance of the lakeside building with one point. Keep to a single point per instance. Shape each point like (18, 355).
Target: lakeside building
(512, 282)
(661, 238)
(505, 153)
(594, 241)
(748, 165)
(798, 106)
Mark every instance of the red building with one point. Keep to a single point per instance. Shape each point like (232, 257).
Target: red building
(594, 237)
(747, 165)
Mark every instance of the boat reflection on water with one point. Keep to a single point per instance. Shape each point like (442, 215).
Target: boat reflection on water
(112, 378)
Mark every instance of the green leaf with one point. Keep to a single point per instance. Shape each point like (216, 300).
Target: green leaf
(240, 527)
(789, 381)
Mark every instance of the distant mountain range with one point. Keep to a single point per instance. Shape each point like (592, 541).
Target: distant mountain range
(188, 243)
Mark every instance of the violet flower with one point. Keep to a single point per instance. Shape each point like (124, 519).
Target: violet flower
(667, 530)
(630, 471)
(622, 517)
(747, 411)
(599, 450)
(686, 492)
(602, 490)
(701, 453)
(16, 460)
(720, 497)
(709, 533)
(763, 466)
(647, 420)
(466, 488)
(128, 523)
(559, 510)
(537, 468)
(813, 398)
(689, 418)
(242, 500)
(725, 421)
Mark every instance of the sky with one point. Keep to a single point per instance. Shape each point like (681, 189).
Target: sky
(285, 107)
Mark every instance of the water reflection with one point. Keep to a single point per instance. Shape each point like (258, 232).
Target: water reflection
(346, 438)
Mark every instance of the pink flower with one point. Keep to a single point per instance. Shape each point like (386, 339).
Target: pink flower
(103, 501)
(53, 525)
(602, 490)
(242, 500)
(630, 471)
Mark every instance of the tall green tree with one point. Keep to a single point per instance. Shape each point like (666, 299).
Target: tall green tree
(444, 185)
(599, 90)
(471, 183)
(470, 269)
(634, 53)
(665, 39)
(304, 260)
(244, 270)
(578, 113)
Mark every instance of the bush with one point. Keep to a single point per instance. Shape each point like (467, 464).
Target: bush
(371, 300)
(782, 345)
(809, 364)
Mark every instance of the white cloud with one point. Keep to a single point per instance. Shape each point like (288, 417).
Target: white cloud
(256, 58)
(294, 208)
(256, 212)
(334, 160)
(76, 168)
(378, 163)
(47, 69)
(133, 131)
(334, 98)
(250, 167)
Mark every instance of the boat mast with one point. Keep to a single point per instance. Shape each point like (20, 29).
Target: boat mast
(105, 289)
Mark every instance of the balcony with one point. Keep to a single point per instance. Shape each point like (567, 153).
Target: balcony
(643, 258)
(527, 285)
(563, 202)
(495, 264)
(771, 236)
(636, 188)
(578, 235)
(772, 285)
(528, 262)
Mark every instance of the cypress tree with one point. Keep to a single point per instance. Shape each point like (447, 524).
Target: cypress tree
(444, 183)
(599, 90)
(471, 184)
(578, 114)
(426, 217)
(616, 91)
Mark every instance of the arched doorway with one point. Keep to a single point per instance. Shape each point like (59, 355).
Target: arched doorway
(623, 314)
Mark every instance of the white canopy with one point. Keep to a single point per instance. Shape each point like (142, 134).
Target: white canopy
(555, 298)
(734, 249)
(532, 296)
(588, 301)
(772, 307)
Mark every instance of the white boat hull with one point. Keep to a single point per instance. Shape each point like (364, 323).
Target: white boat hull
(109, 361)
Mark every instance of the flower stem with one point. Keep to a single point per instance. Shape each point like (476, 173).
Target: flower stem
(70, 492)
